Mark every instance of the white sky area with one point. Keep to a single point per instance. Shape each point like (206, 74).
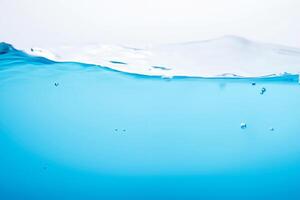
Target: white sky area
(45, 23)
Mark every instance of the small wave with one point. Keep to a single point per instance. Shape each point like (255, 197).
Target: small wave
(6, 48)
(232, 55)
(10, 56)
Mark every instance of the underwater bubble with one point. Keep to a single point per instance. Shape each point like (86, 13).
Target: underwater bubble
(243, 125)
(263, 90)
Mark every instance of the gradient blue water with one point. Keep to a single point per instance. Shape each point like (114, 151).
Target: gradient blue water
(102, 134)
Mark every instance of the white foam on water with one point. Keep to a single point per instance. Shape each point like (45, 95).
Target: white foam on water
(228, 56)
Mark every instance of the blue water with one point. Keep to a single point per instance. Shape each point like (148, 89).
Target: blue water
(77, 131)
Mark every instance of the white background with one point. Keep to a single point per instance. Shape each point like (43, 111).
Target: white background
(56, 22)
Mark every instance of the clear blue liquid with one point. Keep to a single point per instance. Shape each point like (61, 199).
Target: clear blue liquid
(101, 134)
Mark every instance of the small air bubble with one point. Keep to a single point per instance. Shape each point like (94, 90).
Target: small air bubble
(263, 90)
(243, 125)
